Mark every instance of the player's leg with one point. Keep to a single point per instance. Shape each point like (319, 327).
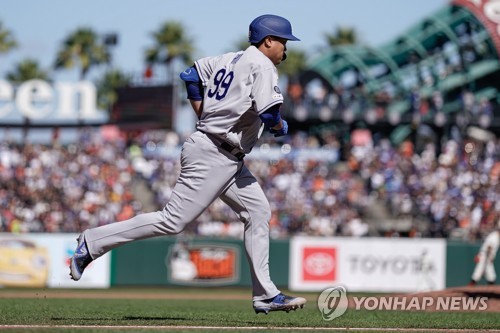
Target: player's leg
(248, 201)
(479, 269)
(489, 273)
(246, 198)
(201, 181)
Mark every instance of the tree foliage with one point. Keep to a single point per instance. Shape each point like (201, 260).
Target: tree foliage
(170, 42)
(84, 49)
(294, 64)
(342, 36)
(28, 69)
(7, 40)
(107, 87)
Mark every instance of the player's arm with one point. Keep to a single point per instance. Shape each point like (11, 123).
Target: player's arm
(197, 107)
(273, 121)
(194, 89)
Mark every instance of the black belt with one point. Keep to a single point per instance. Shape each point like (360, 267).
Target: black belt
(227, 147)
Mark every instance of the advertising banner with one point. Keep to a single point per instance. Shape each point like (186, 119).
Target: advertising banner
(198, 264)
(192, 261)
(367, 264)
(42, 260)
(41, 100)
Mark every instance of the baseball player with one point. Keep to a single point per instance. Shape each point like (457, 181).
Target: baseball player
(235, 96)
(486, 257)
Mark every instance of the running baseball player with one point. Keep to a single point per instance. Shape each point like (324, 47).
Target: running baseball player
(486, 257)
(234, 95)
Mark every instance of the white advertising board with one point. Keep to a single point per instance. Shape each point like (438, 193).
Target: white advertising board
(367, 264)
(42, 260)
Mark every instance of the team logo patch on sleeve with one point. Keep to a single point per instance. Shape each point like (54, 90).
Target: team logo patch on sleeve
(278, 93)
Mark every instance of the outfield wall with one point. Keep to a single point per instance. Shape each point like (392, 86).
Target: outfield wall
(193, 262)
(42, 260)
(301, 263)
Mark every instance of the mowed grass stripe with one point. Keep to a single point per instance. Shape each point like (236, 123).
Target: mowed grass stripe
(218, 310)
(222, 328)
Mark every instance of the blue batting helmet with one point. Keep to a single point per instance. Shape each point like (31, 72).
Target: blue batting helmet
(270, 25)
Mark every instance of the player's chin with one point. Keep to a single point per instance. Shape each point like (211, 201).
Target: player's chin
(279, 61)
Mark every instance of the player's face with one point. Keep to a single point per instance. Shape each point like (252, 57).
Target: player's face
(278, 49)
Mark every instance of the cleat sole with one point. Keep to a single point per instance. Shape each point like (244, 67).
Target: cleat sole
(288, 304)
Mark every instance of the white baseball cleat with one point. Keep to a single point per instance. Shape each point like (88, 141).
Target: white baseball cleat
(80, 259)
(280, 302)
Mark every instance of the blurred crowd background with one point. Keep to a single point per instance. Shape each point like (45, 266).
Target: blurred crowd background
(314, 186)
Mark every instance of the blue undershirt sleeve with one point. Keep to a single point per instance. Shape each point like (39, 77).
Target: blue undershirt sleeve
(193, 84)
(271, 117)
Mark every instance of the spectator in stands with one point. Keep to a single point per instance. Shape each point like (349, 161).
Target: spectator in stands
(63, 188)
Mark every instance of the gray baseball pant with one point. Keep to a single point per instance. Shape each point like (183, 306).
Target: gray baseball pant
(207, 172)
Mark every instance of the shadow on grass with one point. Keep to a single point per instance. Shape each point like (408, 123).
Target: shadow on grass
(112, 319)
(153, 318)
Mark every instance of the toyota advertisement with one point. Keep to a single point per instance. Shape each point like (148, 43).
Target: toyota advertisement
(367, 264)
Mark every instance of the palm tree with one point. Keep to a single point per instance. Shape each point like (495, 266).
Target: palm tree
(27, 70)
(171, 43)
(83, 49)
(106, 88)
(342, 36)
(7, 41)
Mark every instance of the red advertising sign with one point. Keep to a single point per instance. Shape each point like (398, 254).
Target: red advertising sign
(488, 13)
(203, 264)
(319, 264)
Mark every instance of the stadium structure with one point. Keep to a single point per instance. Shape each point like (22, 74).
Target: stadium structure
(443, 71)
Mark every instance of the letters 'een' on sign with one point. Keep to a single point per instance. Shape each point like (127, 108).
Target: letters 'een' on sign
(37, 99)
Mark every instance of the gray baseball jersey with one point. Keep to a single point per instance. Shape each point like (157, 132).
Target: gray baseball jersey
(239, 86)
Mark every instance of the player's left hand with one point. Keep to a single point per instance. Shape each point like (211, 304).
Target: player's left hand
(282, 131)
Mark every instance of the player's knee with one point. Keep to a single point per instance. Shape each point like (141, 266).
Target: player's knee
(171, 224)
(176, 229)
(263, 215)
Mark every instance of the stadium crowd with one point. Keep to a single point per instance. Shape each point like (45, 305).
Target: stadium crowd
(56, 188)
(64, 188)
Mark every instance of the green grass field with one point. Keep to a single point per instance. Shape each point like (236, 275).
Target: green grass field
(203, 310)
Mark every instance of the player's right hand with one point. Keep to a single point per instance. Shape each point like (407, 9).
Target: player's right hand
(282, 131)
